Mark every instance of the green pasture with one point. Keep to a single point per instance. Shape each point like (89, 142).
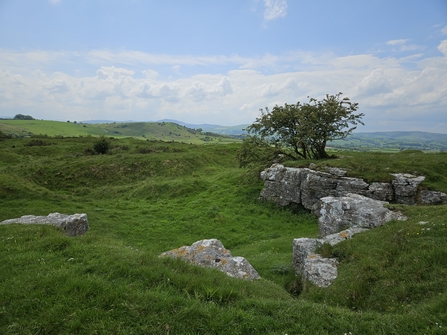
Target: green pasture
(165, 131)
(148, 196)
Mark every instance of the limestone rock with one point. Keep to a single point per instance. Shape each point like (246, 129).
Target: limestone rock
(337, 172)
(433, 197)
(352, 210)
(74, 225)
(282, 185)
(302, 249)
(286, 186)
(406, 188)
(344, 235)
(320, 271)
(212, 254)
(380, 191)
(305, 186)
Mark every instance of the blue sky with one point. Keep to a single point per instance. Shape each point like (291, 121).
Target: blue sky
(219, 62)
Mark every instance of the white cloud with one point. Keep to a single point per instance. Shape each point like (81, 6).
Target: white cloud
(443, 47)
(386, 88)
(275, 9)
(397, 42)
(444, 30)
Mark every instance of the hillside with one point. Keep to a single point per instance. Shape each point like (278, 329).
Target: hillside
(173, 130)
(147, 197)
(165, 131)
(393, 140)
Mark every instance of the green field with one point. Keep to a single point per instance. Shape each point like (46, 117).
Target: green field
(165, 131)
(147, 197)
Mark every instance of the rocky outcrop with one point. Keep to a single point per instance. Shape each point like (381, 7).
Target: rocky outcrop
(406, 188)
(74, 225)
(212, 254)
(339, 219)
(433, 198)
(353, 210)
(310, 265)
(344, 206)
(286, 186)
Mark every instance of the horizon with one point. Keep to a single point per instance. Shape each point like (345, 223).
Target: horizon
(179, 122)
(219, 63)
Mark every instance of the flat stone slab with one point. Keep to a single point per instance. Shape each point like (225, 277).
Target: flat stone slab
(212, 254)
(74, 225)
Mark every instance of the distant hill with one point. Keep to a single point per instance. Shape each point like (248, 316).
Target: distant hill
(165, 131)
(399, 140)
(168, 130)
(227, 130)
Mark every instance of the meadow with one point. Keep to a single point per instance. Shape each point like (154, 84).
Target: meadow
(148, 196)
(165, 131)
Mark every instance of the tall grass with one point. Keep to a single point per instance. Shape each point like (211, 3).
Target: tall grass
(146, 197)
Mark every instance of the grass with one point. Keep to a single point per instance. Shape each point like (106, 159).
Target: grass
(147, 197)
(165, 131)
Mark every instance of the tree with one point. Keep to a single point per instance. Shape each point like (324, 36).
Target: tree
(102, 146)
(300, 130)
(23, 117)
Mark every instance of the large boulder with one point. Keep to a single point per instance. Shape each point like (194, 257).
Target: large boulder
(406, 188)
(353, 210)
(281, 185)
(74, 225)
(285, 186)
(212, 254)
(310, 265)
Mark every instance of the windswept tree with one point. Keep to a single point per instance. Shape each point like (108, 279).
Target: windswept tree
(299, 131)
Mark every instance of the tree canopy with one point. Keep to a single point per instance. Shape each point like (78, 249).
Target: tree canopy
(299, 130)
(23, 117)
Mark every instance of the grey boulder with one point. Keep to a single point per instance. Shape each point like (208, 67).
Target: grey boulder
(353, 210)
(74, 225)
(212, 254)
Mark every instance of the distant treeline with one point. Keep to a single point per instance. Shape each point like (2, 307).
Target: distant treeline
(19, 117)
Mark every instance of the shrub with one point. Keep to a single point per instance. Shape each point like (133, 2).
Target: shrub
(102, 146)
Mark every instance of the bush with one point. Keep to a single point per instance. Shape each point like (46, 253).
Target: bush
(3, 136)
(102, 146)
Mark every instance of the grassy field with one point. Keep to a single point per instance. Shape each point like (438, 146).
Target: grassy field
(166, 131)
(147, 197)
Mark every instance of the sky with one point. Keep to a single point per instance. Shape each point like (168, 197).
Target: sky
(219, 62)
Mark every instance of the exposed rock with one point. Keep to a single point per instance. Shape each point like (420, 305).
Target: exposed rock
(406, 188)
(380, 191)
(313, 267)
(320, 271)
(74, 225)
(336, 171)
(305, 186)
(344, 235)
(212, 254)
(353, 210)
(302, 249)
(286, 186)
(433, 197)
(282, 185)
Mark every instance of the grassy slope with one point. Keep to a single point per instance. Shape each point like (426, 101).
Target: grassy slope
(165, 131)
(110, 281)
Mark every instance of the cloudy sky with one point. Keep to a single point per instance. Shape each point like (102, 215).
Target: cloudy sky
(218, 62)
